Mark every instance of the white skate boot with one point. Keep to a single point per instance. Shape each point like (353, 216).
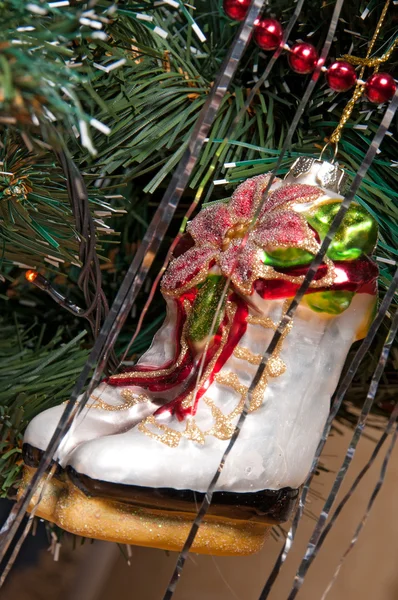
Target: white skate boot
(142, 484)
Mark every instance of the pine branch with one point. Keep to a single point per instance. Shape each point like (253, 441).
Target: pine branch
(37, 225)
(34, 375)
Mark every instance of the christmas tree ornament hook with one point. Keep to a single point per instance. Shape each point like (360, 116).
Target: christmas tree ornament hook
(336, 149)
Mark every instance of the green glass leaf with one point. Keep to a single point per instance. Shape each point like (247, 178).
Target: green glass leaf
(287, 257)
(332, 302)
(356, 236)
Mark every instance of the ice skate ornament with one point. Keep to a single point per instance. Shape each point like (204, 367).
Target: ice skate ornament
(135, 465)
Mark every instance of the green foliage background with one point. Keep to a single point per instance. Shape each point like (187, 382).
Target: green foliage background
(56, 75)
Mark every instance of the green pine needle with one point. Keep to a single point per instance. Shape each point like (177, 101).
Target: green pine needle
(38, 376)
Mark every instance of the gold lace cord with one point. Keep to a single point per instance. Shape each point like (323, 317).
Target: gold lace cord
(364, 62)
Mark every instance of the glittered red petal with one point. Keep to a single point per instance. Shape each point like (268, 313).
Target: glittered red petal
(247, 196)
(184, 269)
(239, 262)
(211, 224)
(282, 228)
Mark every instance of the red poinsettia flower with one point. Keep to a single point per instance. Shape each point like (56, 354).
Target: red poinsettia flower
(219, 228)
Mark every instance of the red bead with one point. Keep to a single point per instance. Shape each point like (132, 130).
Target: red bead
(303, 58)
(341, 76)
(236, 9)
(380, 87)
(268, 33)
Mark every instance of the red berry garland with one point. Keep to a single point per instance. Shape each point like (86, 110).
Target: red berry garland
(268, 33)
(341, 76)
(236, 9)
(380, 87)
(303, 57)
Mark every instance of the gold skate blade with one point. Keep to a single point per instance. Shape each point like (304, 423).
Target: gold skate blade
(66, 506)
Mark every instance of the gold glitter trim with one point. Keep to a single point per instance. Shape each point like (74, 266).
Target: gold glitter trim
(248, 355)
(275, 366)
(170, 437)
(129, 397)
(188, 401)
(222, 428)
(265, 322)
(192, 432)
(231, 380)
